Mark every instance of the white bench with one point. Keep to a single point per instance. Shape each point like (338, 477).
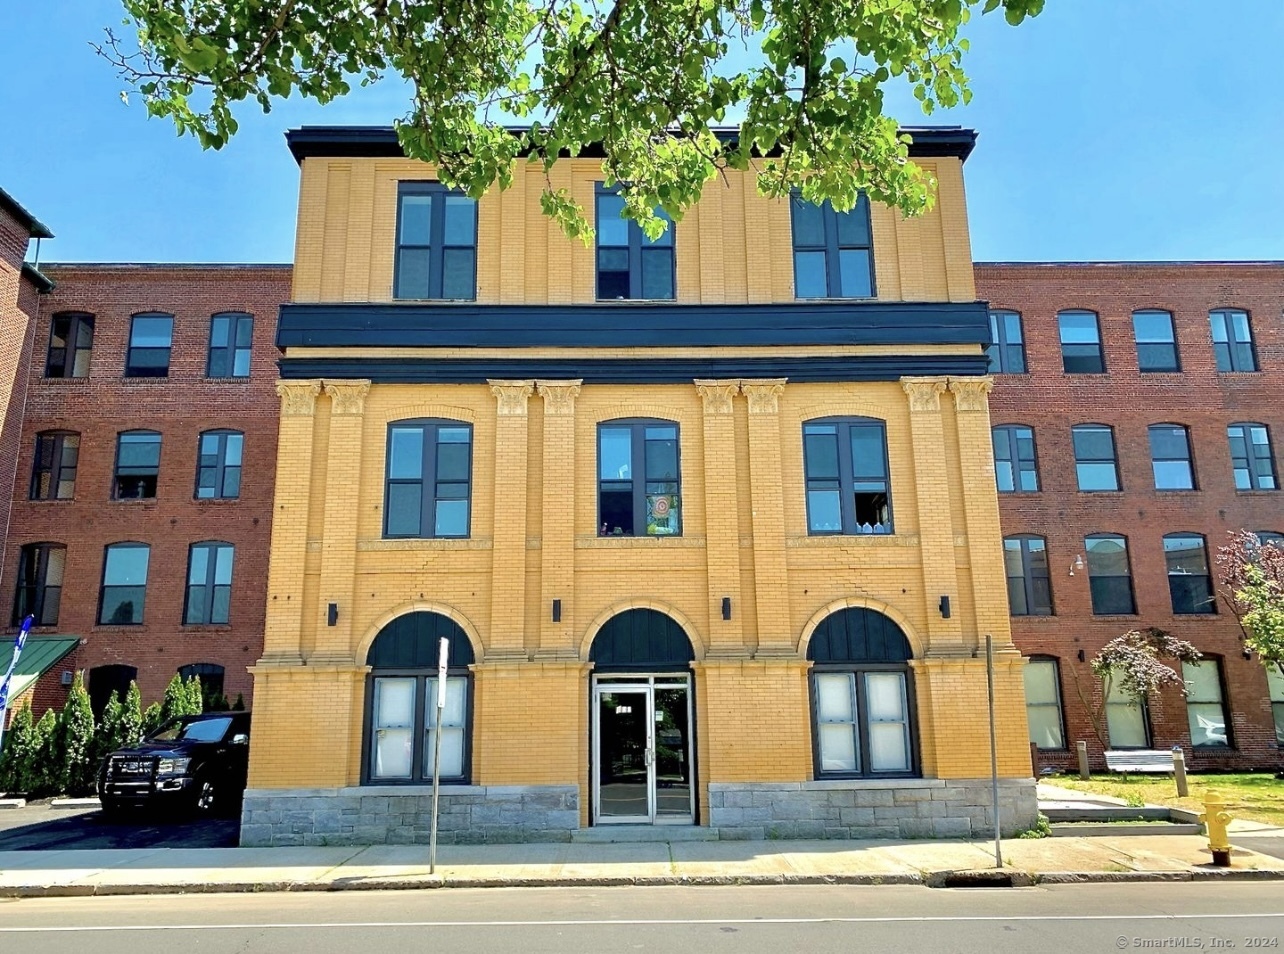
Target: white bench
(1140, 760)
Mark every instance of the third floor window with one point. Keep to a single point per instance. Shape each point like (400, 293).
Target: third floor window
(1095, 465)
(630, 265)
(1251, 457)
(71, 342)
(209, 583)
(1189, 583)
(40, 573)
(1015, 465)
(1170, 457)
(436, 243)
(124, 589)
(1006, 351)
(150, 339)
(1232, 340)
(53, 475)
(1156, 341)
(1109, 575)
(1081, 343)
(137, 464)
(833, 251)
(230, 338)
(219, 465)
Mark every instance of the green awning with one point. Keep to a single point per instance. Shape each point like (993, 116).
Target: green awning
(40, 655)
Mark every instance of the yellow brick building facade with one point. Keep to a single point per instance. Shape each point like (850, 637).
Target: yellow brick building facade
(661, 605)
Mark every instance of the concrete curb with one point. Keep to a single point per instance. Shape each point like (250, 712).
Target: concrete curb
(935, 879)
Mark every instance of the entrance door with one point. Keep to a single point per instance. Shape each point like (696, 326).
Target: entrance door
(642, 751)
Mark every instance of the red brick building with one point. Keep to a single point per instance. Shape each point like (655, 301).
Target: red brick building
(1137, 410)
(142, 504)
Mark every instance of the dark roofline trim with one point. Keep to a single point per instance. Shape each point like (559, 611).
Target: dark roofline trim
(381, 141)
(158, 266)
(44, 284)
(35, 228)
(1133, 263)
(428, 370)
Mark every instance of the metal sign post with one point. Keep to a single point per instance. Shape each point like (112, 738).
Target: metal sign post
(19, 641)
(442, 659)
(994, 747)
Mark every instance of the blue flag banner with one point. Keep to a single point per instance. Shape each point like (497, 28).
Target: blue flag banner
(19, 641)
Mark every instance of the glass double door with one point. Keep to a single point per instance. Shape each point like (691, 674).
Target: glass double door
(642, 750)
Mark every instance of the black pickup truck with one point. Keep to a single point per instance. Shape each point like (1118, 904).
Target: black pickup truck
(193, 764)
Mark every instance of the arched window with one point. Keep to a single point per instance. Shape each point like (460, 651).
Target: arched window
(104, 681)
(211, 677)
(1025, 558)
(218, 465)
(71, 342)
(138, 455)
(1043, 702)
(1189, 582)
(1232, 340)
(40, 574)
(639, 487)
(428, 488)
(150, 338)
(53, 471)
(1152, 329)
(1170, 457)
(1251, 458)
(848, 484)
(209, 583)
(1081, 343)
(1206, 703)
(1016, 465)
(1096, 464)
(1109, 574)
(401, 701)
(124, 589)
(231, 337)
(1006, 351)
(862, 696)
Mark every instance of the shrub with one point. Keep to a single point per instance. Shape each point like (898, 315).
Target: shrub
(153, 718)
(75, 742)
(21, 753)
(1042, 828)
(131, 718)
(239, 705)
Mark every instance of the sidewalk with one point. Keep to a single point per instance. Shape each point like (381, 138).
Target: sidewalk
(1048, 860)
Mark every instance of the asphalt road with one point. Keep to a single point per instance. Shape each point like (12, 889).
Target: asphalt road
(41, 828)
(1067, 919)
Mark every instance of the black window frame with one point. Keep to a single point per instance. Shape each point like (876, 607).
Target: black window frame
(1100, 356)
(221, 468)
(1223, 702)
(833, 247)
(1210, 599)
(229, 352)
(103, 586)
(638, 247)
(210, 586)
(420, 763)
(139, 370)
(1098, 597)
(1148, 350)
(79, 325)
(116, 474)
(51, 446)
(639, 478)
(429, 497)
(437, 246)
(1002, 352)
(1233, 354)
(1055, 662)
(847, 480)
(1189, 459)
(1083, 429)
(1011, 441)
(1028, 576)
(32, 588)
(1252, 459)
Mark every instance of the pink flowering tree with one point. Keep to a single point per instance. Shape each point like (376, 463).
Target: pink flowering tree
(1252, 577)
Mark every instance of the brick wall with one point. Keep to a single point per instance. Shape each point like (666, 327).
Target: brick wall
(179, 407)
(1199, 397)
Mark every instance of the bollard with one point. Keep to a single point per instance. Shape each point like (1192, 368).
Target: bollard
(1083, 760)
(1215, 821)
(1179, 771)
(1034, 759)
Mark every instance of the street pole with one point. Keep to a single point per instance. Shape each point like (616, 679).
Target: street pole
(994, 748)
(436, 750)
(19, 641)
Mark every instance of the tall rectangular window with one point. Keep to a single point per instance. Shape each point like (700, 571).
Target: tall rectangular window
(137, 464)
(1189, 583)
(40, 573)
(1156, 341)
(630, 504)
(1170, 457)
(833, 251)
(231, 338)
(398, 715)
(1025, 560)
(1232, 340)
(1275, 681)
(1127, 719)
(1081, 343)
(429, 479)
(218, 474)
(53, 474)
(1006, 351)
(71, 343)
(862, 723)
(1015, 466)
(1251, 457)
(1043, 703)
(436, 243)
(150, 339)
(209, 583)
(1095, 465)
(1205, 704)
(124, 589)
(1109, 575)
(848, 488)
(630, 265)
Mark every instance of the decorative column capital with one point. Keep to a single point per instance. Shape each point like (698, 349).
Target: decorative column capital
(924, 393)
(969, 393)
(298, 398)
(512, 396)
(347, 397)
(763, 394)
(718, 395)
(559, 396)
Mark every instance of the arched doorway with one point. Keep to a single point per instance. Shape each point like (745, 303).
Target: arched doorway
(643, 748)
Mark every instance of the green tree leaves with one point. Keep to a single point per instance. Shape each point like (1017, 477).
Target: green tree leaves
(641, 79)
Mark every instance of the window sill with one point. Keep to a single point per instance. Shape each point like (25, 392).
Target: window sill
(1258, 492)
(1132, 615)
(1177, 493)
(613, 542)
(841, 540)
(116, 627)
(847, 782)
(53, 500)
(64, 381)
(230, 379)
(134, 501)
(420, 543)
(215, 501)
(838, 300)
(636, 301)
(206, 627)
(144, 377)
(1103, 493)
(1049, 617)
(434, 301)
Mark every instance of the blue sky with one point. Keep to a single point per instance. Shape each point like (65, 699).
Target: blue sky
(1110, 129)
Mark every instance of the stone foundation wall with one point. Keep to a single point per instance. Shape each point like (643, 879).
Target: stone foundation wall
(379, 815)
(901, 808)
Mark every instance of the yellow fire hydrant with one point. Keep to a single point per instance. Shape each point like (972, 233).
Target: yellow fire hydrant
(1215, 820)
